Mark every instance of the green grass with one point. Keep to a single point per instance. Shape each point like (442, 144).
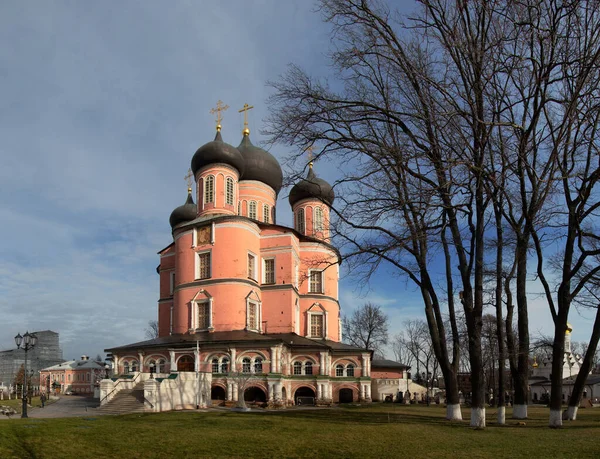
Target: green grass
(378, 431)
(18, 404)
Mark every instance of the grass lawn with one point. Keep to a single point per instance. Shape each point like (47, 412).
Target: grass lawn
(18, 404)
(378, 431)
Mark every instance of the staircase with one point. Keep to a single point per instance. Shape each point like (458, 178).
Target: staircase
(125, 401)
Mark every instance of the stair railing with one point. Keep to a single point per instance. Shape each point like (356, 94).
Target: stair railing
(115, 387)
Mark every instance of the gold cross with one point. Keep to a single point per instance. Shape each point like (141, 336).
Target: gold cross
(245, 109)
(219, 108)
(309, 151)
(188, 177)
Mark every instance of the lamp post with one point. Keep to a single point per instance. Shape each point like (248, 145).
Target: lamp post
(152, 365)
(28, 340)
(106, 368)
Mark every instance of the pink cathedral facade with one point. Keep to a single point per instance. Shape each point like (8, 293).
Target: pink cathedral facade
(240, 293)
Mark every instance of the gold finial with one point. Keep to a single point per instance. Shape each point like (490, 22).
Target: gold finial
(535, 364)
(309, 151)
(188, 178)
(245, 109)
(218, 109)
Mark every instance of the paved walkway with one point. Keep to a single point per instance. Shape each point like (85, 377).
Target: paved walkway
(68, 406)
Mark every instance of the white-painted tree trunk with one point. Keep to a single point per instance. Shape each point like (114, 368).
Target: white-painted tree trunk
(572, 413)
(453, 412)
(478, 417)
(555, 418)
(501, 415)
(520, 412)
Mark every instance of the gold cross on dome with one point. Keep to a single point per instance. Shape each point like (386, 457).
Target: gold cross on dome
(245, 110)
(309, 152)
(218, 109)
(188, 177)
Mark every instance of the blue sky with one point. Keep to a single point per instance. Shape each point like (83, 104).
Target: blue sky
(102, 107)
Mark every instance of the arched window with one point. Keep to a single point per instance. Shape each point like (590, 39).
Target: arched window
(134, 366)
(215, 365)
(339, 370)
(185, 363)
(266, 217)
(240, 208)
(252, 210)
(300, 221)
(246, 365)
(126, 367)
(308, 368)
(350, 370)
(229, 191)
(258, 365)
(209, 189)
(160, 366)
(225, 365)
(297, 368)
(318, 219)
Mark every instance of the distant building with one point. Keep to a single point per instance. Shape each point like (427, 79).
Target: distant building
(46, 352)
(73, 376)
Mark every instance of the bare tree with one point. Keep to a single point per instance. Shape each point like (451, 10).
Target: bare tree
(367, 328)
(152, 329)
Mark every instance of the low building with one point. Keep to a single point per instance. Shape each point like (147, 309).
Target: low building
(388, 379)
(73, 377)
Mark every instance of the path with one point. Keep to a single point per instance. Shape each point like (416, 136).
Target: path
(72, 406)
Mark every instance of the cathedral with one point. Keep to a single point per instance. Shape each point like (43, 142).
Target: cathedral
(247, 307)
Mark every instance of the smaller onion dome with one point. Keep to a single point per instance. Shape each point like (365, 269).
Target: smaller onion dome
(312, 187)
(184, 213)
(260, 164)
(217, 151)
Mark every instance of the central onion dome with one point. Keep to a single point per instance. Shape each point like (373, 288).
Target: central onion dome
(215, 152)
(184, 213)
(312, 187)
(260, 164)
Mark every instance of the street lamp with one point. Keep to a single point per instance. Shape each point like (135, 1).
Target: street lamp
(106, 368)
(28, 340)
(152, 365)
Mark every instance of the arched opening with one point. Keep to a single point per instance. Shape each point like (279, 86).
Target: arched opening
(255, 395)
(217, 394)
(283, 394)
(185, 363)
(304, 396)
(346, 396)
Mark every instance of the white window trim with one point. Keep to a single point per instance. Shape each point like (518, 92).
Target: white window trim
(266, 210)
(258, 313)
(300, 222)
(317, 312)
(195, 303)
(204, 194)
(227, 181)
(264, 271)
(317, 228)
(255, 210)
(197, 263)
(255, 267)
(310, 271)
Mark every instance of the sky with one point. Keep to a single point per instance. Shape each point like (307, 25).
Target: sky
(102, 106)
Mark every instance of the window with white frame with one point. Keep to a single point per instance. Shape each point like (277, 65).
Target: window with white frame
(253, 315)
(339, 370)
(350, 370)
(316, 325)
(315, 284)
(297, 368)
(209, 189)
(269, 270)
(258, 365)
(203, 265)
(252, 210)
(318, 219)
(224, 365)
(203, 321)
(215, 365)
(300, 221)
(251, 266)
(266, 217)
(229, 191)
(246, 365)
(171, 282)
(308, 368)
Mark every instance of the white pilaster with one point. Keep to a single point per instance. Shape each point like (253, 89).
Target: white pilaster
(319, 391)
(271, 392)
(278, 392)
(172, 364)
(141, 362)
(273, 360)
(234, 366)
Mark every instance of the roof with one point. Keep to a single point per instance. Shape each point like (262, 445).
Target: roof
(75, 365)
(384, 363)
(238, 337)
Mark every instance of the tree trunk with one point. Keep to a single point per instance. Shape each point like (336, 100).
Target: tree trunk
(520, 378)
(584, 371)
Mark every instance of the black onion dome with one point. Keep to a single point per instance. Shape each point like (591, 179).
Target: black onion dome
(260, 165)
(184, 213)
(312, 187)
(217, 151)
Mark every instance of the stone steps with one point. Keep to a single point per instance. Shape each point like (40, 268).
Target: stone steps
(124, 402)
